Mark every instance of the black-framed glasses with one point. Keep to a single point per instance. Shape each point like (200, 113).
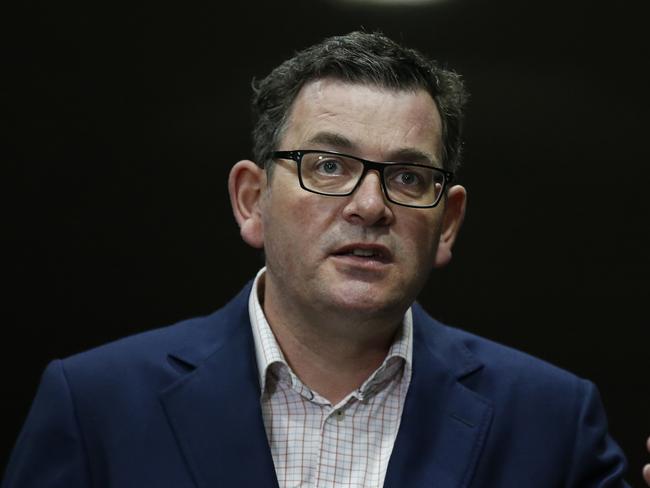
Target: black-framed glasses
(338, 175)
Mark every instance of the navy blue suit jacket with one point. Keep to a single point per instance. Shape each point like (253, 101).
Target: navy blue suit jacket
(180, 407)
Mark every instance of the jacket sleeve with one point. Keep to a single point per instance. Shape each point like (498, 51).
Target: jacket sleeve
(49, 452)
(597, 460)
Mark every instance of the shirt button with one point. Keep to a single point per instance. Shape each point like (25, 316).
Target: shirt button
(339, 414)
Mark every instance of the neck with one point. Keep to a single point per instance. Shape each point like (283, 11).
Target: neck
(332, 353)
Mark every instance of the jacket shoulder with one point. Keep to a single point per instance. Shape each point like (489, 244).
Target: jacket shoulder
(195, 338)
(500, 364)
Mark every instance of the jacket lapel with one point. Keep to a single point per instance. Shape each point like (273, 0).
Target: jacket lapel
(214, 409)
(444, 424)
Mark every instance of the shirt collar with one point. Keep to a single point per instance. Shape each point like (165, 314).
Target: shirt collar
(268, 353)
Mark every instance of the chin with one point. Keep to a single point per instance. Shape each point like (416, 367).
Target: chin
(367, 300)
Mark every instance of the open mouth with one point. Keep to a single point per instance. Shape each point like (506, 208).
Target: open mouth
(365, 253)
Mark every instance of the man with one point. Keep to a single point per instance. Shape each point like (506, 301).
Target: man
(323, 371)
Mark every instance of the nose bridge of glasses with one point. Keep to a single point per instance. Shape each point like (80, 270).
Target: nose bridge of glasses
(372, 168)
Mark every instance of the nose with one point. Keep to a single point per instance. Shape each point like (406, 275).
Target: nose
(368, 206)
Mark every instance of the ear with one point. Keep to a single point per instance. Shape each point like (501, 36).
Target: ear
(454, 213)
(245, 185)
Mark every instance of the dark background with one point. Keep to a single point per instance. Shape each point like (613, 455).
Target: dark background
(120, 123)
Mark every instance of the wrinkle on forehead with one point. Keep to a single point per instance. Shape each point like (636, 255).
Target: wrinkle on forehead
(377, 120)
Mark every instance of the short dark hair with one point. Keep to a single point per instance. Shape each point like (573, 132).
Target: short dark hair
(357, 57)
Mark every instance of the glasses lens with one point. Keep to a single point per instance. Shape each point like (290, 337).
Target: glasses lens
(414, 184)
(330, 174)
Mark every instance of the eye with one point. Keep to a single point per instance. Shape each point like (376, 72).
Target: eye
(408, 178)
(329, 166)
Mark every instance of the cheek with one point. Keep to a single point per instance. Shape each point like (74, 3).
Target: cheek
(421, 241)
(293, 222)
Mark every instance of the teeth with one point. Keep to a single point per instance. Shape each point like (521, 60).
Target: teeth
(363, 252)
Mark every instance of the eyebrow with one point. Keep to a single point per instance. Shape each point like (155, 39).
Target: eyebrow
(332, 139)
(402, 155)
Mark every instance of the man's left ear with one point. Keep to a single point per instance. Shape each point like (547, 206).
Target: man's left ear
(452, 220)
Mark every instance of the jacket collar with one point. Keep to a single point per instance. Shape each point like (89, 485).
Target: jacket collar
(444, 424)
(214, 409)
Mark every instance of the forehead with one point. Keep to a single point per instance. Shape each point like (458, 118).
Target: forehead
(370, 121)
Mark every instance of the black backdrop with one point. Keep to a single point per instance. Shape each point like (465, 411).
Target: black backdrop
(120, 123)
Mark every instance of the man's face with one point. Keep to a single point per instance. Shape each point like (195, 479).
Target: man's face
(359, 254)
